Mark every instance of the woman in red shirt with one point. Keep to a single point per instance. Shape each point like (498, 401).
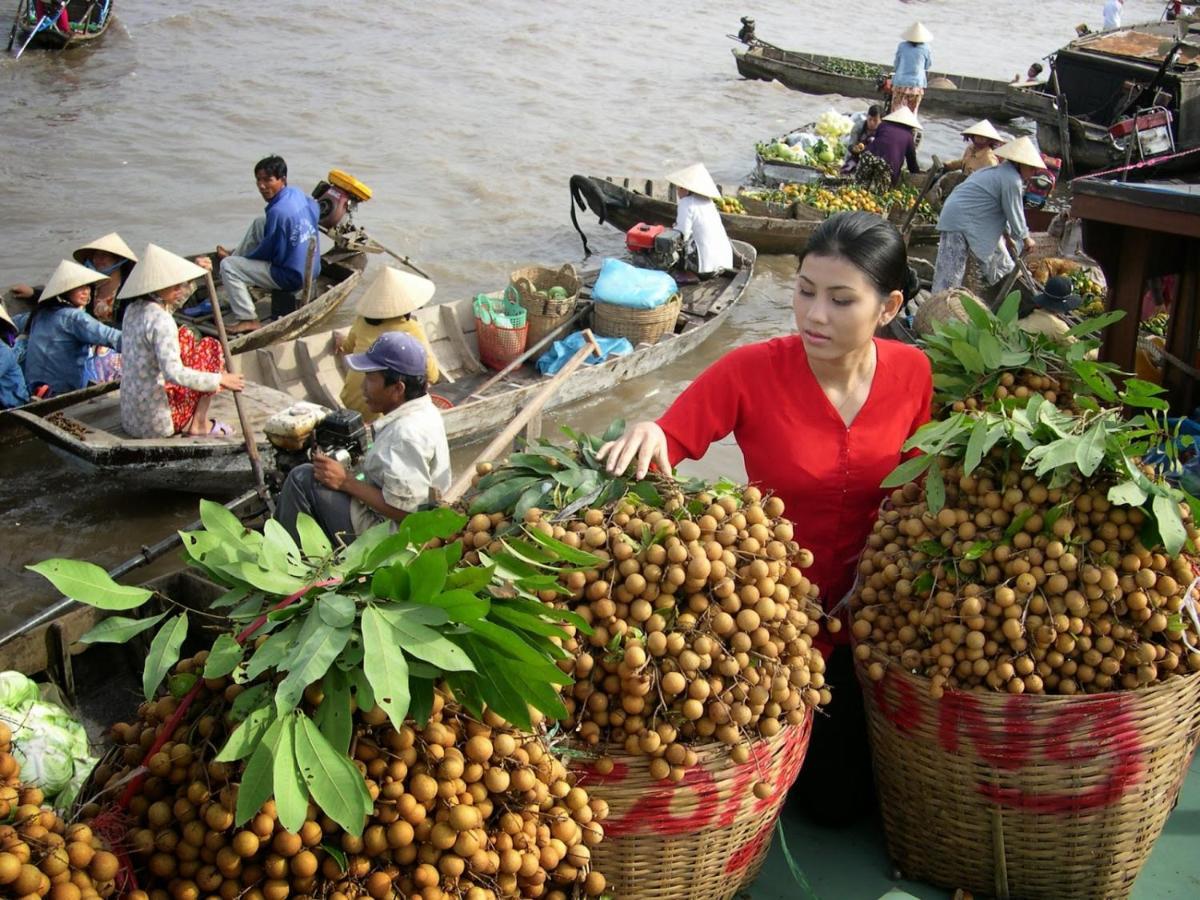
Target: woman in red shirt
(820, 417)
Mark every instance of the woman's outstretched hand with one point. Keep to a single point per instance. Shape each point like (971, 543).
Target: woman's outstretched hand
(645, 441)
(233, 381)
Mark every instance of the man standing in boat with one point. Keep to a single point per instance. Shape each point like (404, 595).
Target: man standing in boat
(275, 248)
(410, 453)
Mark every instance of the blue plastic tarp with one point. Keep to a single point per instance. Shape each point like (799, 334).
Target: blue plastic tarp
(624, 285)
(561, 351)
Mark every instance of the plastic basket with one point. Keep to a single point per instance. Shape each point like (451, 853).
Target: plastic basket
(501, 330)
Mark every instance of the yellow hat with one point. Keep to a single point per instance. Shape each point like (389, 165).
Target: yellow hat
(1022, 151)
(110, 243)
(68, 276)
(918, 34)
(984, 128)
(158, 269)
(394, 293)
(903, 116)
(695, 178)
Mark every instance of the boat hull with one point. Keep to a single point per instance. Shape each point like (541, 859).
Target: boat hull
(52, 37)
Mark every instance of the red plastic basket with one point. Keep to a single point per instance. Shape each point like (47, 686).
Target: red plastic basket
(499, 346)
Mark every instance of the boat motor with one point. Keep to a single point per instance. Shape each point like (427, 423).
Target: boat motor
(305, 428)
(337, 199)
(654, 246)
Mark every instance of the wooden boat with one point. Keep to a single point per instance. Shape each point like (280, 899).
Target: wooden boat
(814, 73)
(89, 19)
(88, 432)
(1146, 69)
(341, 269)
(625, 202)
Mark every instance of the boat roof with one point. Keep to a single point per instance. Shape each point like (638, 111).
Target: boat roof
(1146, 44)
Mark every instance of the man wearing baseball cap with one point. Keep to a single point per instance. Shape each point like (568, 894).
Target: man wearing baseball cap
(408, 457)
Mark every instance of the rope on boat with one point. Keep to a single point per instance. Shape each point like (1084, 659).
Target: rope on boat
(585, 194)
(1153, 161)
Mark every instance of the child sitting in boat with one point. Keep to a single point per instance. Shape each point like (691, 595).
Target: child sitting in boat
(387, 305)
(157, 351)
(61, 333)
(13, 391)
(706, 246)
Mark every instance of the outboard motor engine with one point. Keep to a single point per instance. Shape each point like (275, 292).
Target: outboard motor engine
(337, 199)
(654, 246)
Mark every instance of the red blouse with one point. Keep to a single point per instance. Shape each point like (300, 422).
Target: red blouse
(796, 444)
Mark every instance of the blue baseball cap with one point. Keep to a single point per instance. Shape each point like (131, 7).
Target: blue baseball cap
(394, 351)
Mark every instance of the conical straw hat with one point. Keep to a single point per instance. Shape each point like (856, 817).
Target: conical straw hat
(903, 116)
(5, 317)
(394, 293)
(68, 276)
(110, 243)
(984, 128)
(158, 269)
(918, 34)
(695, 178)
(1022, 151)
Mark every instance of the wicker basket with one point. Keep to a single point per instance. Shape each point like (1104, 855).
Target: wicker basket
(704, 838)
(641, 326)
(532, 286)
(1028, 796)
(944, 307)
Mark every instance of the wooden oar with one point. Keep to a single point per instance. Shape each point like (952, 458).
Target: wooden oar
(935, 174)
(545, 341)
(531, 409)
(243, 420)
(404, 260)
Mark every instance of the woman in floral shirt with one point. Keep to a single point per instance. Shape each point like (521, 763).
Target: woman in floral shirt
(152, 356)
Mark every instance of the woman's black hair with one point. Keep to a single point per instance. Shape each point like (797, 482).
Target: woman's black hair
(870, 244)
(374, 322)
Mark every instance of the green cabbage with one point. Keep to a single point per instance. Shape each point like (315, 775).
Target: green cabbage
(51, 748)
(16, 690)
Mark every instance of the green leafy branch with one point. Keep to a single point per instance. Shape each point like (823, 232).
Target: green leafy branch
(378, 624)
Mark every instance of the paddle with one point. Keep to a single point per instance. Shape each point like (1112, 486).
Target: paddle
(404, 260)
(935, 173)
(247, 433)
(531, 409)
(36, 28)
(546, 339)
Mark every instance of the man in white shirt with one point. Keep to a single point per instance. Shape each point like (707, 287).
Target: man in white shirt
(410, 453)
(1112, 13)
(699, 223)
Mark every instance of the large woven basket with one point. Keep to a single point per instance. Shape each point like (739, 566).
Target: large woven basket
(703, 838)
(533, 284)
(944, 307)
(1028, 796)
(641, 326)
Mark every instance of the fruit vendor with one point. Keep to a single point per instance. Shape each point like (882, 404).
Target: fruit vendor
(911, 67)
(387, 305)
(706, 246)
(274, 250)
(980, 153)
(820, 418)
(409, 455)
(976, 216)
(61, 333)
(895, 141)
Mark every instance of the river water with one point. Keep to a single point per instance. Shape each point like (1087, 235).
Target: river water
(466, 118)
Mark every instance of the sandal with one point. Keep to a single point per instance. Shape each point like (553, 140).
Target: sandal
(219, 429)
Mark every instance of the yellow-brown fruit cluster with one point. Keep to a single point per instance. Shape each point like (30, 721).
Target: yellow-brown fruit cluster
(705, 633)
(463, 809)
(1054, 389)
(40, 855)
(1017, 587)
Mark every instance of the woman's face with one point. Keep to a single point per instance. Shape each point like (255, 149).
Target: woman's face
(979, 142)
(103, 260)
(174, 295)
(838, 309)
(80, 296)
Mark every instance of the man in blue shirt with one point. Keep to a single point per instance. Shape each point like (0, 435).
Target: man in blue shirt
(275, 248)
(977, 215)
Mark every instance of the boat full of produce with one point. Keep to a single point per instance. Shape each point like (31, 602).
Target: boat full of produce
(807, 153)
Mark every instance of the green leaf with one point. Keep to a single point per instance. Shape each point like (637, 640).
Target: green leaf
(164, 653)
(313, 539)
(1017, 523)
(977, 549)
(935, 489)
(564, 551)
(272, 651)
(1127, 493)
(231, 597)
(291, 795)
(333, 715)
(923, 582)
(1007, 313)
(974, 454)
(222, 523)
(337, 854)
(258, 777)
(1089, 454)
(980, 316)
(970, 358)
(272, 581)
(530, 499)
(424, 643)
(86, 582)
(419, 528)
(119, 629)
(517, 650)
(363, 693)
(931, 548)
(1061, 452)
(1170, 525)
(909, 470)
(385, 666)
(989, 349)
(391, 583)
(503, 495)
(224, 657)
(336, 610)
(613, 431)
(249, 700)
(427, 576)
(248, 735)
(647, 493)
(355, 556)
(279, 551)
(524, 621)
(1094, 324)
(316, 647)
(1094, 377)
(422, 700)
(334, 782)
